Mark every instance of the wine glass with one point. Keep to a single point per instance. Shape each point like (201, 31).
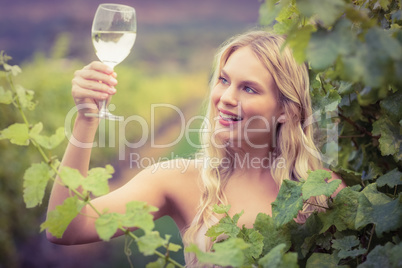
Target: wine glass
(114, 30)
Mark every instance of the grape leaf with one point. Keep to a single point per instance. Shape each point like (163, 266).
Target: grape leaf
(392, 106)
(316, 185)
(36, 178)
(270, 9)
(14, 69)
(6, 97)
(148, 243)
(325, 46)
(326, 11)
(388, 255)
(58, 219)
(323, 260)
(221, 209)
(386, 216)
(227, 253)
(255, 239)
(25, 97)
(17, 134)
(226, 226)
(171, 246)
(392, 178)
(391, 137)
(343, 211)
(48, 142)
(346, 245)
(272, 235)
(288, 202)
(72, 178)
(372, 173)
(106, 225)
(138, 215)
(277, 258)
(97, 180)
(298, 39)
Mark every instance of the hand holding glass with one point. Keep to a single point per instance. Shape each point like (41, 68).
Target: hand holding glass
(114, 30)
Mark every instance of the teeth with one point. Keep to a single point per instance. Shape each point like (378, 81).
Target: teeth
(229, 117)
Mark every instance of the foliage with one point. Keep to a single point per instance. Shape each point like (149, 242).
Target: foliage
(38, 175)
(355, 56)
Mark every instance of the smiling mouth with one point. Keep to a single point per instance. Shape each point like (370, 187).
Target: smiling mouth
(228, 117)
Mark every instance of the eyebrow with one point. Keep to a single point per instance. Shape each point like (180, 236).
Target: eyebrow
(249, 83)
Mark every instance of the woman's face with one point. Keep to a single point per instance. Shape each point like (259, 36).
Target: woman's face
(245, 101)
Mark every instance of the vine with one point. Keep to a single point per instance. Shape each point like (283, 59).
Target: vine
(38, 175)
(354, 49)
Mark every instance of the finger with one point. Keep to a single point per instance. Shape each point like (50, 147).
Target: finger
(96, 76)
(80, 93)
(93, 85)
(100, 67)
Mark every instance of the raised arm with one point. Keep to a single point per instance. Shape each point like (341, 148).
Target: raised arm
(93, 83)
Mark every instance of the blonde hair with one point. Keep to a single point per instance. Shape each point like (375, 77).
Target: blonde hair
(293, 136)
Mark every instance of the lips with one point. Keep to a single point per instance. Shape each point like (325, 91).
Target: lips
(228, 116)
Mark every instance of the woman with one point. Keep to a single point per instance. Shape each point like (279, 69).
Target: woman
(253, 138)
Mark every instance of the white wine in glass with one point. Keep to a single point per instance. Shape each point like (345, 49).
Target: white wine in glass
(114, 30)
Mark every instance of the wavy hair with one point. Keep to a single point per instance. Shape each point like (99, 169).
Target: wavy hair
(294, 137)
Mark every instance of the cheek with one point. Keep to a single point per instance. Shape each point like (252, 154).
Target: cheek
(215, 96)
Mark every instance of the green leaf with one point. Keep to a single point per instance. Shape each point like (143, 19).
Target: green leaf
(343, 211)
(160, 262)
(97, 180)
(346, 245)
(171, 246)
(277, 258)
(350, 177)
(36, 178)
(326, 11)
(255, 239)
(323, 260)
(25, 97)
(221, 209)
(226, 226)
(6, 97)
(316, 184)
(386, 216)
(227, 253)
(372, 173)
(72, 178)
(138, 215)
(391, 105)
(17, 134)
(272, 235)
(48, 142)
(288, 202)
(388, 255)
(391, 136)
(148, 243)
(392, 178)
(325, 46)
(106, 225)
(58, 219)
(270, 9)
(298, 40)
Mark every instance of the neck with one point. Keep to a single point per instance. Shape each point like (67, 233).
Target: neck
(254, 161)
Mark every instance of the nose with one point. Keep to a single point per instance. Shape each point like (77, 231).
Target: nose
(229, 97)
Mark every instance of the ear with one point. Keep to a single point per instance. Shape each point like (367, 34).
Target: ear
(282, 118)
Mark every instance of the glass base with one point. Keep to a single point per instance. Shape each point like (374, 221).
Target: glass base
(106, 115)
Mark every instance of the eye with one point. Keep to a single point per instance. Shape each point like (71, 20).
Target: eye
(223, 80)
(249, 90)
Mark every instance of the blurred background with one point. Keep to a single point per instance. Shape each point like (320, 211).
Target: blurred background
(170, 63)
